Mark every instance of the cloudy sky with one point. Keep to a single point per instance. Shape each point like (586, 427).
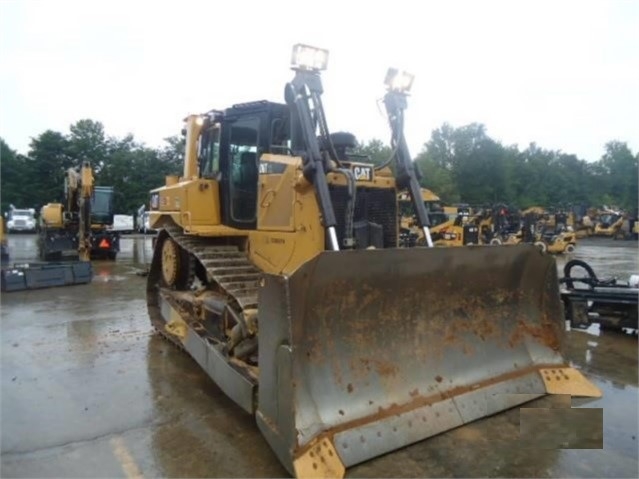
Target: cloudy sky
(563, 74)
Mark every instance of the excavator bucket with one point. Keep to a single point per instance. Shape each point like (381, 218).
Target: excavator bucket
(363, 352)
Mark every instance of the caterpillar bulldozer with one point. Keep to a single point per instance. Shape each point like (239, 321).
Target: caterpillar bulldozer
(78, 229)
(276, 268)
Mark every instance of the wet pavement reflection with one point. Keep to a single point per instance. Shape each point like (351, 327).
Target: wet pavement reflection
(89, 391)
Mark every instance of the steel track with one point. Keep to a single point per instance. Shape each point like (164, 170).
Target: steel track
(228, 272)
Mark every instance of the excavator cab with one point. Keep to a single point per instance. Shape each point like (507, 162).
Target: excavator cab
(276, 268)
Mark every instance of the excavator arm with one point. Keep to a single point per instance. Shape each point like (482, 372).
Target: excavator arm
(79, 190)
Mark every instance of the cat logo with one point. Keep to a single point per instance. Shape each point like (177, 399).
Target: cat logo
(362, 173)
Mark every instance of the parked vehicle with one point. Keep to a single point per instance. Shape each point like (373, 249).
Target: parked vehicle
(142, 222)
(21, 220)
(123, 224)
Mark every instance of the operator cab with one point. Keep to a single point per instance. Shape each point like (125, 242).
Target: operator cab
(231, 144)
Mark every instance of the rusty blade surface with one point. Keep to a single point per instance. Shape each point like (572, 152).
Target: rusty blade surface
(356, 342)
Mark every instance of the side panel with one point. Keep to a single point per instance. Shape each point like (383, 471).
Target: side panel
(191, 204)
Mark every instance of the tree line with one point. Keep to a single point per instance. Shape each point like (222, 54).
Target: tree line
(37, 178)
(461, 165)
(465, 165)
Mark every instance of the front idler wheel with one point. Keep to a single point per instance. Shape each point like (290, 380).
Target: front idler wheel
(175, 265)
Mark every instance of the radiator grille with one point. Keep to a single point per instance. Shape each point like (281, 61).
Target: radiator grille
(376, 205)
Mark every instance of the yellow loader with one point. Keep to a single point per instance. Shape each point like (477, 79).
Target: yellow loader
(276, 268)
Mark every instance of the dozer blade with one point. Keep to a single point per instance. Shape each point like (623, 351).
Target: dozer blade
(363, 352)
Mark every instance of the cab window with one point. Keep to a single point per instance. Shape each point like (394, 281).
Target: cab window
(244, 169)
(209, 152)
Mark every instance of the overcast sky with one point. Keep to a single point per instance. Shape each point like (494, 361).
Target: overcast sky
(562, 74)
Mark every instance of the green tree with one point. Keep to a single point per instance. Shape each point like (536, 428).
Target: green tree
(47, 161)
(13, 178)
(436, 178)
(621, 166)
(377, 152)
(88, 142)
(466, 164)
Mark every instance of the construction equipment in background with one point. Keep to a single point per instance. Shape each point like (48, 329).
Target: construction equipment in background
(609, 224)
(633, 226)
(609, 302)
(105, 243)
(556, 242)
(80, 228)
(410, 234)
(4, 246)
(558, 239)
(21, 276)
(457, 210)
(460, 231)
(276, 267)
(583, 226)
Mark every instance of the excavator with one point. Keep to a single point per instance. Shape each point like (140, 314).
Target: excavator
(78, 228)
(65, 233)
(276, 268)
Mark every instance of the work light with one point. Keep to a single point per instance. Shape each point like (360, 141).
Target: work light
(309, 58)
(399, 81)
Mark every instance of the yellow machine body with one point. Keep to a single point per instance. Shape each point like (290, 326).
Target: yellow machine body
(4, 245)
(341, 354)
(408, 223)
(564, 242)
(65, 229)
(51, 215)
(289, 230)
(609, 225)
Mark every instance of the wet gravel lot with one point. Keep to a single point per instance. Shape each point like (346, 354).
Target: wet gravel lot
(88, 390)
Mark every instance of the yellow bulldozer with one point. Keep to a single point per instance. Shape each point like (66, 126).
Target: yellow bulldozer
(276, 268)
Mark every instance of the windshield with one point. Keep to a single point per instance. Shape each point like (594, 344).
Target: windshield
(20, 213)
(102, 205)
(609, 218)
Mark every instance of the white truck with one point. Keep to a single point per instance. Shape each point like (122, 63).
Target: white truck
(123, 224)
(142, 221)
(21, 220)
